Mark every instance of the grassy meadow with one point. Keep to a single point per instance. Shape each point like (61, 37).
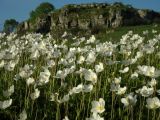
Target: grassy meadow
(114, 75)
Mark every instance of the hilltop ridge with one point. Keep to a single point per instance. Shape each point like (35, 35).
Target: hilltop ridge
(91, 17)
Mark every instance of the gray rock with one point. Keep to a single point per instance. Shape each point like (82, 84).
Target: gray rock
(89, 16)
(43, 24)
(84, 23)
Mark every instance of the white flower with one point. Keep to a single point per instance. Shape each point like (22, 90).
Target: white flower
(81, 60)
(91, 57)
(71, 69)
(148, 71)
(121, 90)
(129, 100)
(88, 88)
(117, 80)
(158, 91)
(89, 75)
(80, 71)
(30, 81)
(35, 94)
(134, 75)
(25, 72)
(62, 74)
(77, 89)
(125, 70)
(153, 103)
(2, 63)
(153, 82)
(34, 55)
(41, 46)
(99, 68)
(145, 32)
(50, 63)
(64, 34)
(91, 39)
(114, 87)
(98, 106)
(149, 49)
(95, 116)
(139, 54)
(8, 92)
(23, 115)
(10, 65)
(54, 97)
(65, 98)
(154, 31)
(146, 92)
(44, 77)
(5, 104)
(66, 118)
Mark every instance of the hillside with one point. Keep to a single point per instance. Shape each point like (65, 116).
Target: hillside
(90, 17)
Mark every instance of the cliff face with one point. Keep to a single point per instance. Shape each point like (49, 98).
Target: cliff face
(90, 16)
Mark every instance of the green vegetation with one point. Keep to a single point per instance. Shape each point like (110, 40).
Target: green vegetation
(10, 25)
(47, 78)
(114, 34)
(41, 10)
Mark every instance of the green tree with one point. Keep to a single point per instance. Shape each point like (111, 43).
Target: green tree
(10, 25)
(42, 9)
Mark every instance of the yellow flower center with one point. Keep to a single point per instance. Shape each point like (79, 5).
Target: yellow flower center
(100, 108)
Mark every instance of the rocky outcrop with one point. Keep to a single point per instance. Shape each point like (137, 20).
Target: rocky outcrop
(23, 27)
(149, 16)
(43, 24)
(89, 16)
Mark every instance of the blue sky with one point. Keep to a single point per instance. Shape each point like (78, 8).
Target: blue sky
(20, 9)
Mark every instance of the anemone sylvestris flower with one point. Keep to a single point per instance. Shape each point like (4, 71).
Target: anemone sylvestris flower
(95, 116)
(35, 94)
(98, 106)
(8, 92)
(89, 75)
(5, 104)
(130, 99)
(23, 115)
(99, 68)
(153, 103)
(149, 71)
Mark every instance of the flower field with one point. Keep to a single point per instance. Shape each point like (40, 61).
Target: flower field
(42, 78)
